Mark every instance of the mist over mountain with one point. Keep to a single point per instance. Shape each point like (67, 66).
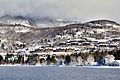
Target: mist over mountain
(83, 10)
(37, 22)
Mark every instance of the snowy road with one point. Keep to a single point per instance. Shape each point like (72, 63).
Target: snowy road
(58, 73)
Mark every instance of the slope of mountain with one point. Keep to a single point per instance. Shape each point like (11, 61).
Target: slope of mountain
(32, 28)
(45, 22)
(15, 20)
(36, 22)
(102, 23)
(31, 33)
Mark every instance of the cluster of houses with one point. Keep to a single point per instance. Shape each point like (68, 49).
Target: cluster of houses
(86, 44)
(56, 54)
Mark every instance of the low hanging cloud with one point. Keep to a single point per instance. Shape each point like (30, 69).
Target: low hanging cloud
(76, 9)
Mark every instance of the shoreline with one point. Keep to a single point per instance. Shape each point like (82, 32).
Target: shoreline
(60, 66)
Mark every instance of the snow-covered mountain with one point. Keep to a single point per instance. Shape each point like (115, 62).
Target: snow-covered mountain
(30, 30)
(102, 23)
(46, 27)
(43, 22)
(36, 22)
(15, 20)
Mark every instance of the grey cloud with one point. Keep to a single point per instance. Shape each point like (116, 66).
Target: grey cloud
(77, 9)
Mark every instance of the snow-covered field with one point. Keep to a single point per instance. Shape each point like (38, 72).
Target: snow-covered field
(58, 73)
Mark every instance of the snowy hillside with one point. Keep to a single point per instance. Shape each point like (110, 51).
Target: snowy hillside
(14, 20)
(36, 22)
(102, 23)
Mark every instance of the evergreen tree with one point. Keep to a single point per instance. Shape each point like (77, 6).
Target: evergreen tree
(1, 59)
(53, 60)
(67, 59)
(117, 55)
(48, 59)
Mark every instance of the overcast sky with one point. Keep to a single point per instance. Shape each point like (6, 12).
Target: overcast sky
(75, 9)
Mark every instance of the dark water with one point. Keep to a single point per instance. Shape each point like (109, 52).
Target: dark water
(58, 73)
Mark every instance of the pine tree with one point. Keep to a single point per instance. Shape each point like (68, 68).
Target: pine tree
(67, 59)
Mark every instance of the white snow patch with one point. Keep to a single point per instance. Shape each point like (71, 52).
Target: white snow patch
(22, 31)
(116, 26)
